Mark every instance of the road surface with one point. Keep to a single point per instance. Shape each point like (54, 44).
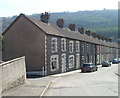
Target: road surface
(103, 82)
(0, 55)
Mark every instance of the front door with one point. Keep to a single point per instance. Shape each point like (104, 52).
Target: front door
(63, 62)
(77, 61)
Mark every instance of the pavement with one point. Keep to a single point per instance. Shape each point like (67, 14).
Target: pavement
(36, 86)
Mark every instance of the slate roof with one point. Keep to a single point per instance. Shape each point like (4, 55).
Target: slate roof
(46, 27)
(53, 29)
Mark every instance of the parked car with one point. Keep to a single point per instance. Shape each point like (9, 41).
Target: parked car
(115, 61)
(106, 64)
(88, 67)
(119, 60)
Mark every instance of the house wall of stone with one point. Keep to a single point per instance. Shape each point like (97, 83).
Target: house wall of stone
(13, 73)
(59, 53)
(0, 80)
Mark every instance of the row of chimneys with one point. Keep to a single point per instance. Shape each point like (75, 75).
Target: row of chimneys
(60, 22)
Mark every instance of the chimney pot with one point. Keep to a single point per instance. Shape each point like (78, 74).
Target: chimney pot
(110, 40)
(88, 32)
(45, 17)
(98, 36)
(93, 34)
(72, 27)
(81, 30)
(106, 39)
(60, 22)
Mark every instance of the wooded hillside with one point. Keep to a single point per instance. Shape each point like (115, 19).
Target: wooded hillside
(104, 22)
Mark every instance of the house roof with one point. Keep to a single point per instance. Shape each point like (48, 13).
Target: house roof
(53, 29)
(46, 27)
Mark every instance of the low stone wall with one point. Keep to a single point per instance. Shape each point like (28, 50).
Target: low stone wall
(0, 80)
(13, 73)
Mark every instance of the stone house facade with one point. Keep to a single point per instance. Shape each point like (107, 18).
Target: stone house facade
(51, 48)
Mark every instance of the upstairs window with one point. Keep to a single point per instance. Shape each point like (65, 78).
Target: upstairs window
(63, 44)
(77, 46)
(88, 47)
(71, 61)
(54, 62)
(54, 45)
(98, 49)
(71, 47)
(82, 48)
(93, 49)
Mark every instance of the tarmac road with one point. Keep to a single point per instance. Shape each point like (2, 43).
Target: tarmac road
(0, 55)
(103, 82)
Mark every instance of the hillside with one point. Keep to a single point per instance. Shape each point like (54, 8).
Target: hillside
(104, 22)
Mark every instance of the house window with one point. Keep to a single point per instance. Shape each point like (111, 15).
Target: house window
(71, 61)
(63, 44)
(87, 47)
(54, 45)
(71, 47)
(54, 62)
(94, 49)
(77, 46)
(82, 48)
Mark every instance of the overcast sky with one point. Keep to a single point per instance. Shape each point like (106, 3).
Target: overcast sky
(28, 7)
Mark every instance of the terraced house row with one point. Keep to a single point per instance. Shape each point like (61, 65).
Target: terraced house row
(51, 48)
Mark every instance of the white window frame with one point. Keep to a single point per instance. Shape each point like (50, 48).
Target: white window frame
(63, 62)
(63, 44)
(71, 65)
(87, 46)
(54, 42)
(77, 46)
(54, 58)
(83, 47)
(71, 46)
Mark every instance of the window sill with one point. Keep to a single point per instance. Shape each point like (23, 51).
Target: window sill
(53, 51)
(63, 50)
(71, 52)
(71, 67)
(52, 70)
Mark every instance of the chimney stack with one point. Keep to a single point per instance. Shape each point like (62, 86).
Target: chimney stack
(102, 38)
(106, 39)
(72, 27)
(98, 36)
(88, 32)
(110, 40)
(45, 17)
(60, 22)
(81, 30)
(93, 34)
